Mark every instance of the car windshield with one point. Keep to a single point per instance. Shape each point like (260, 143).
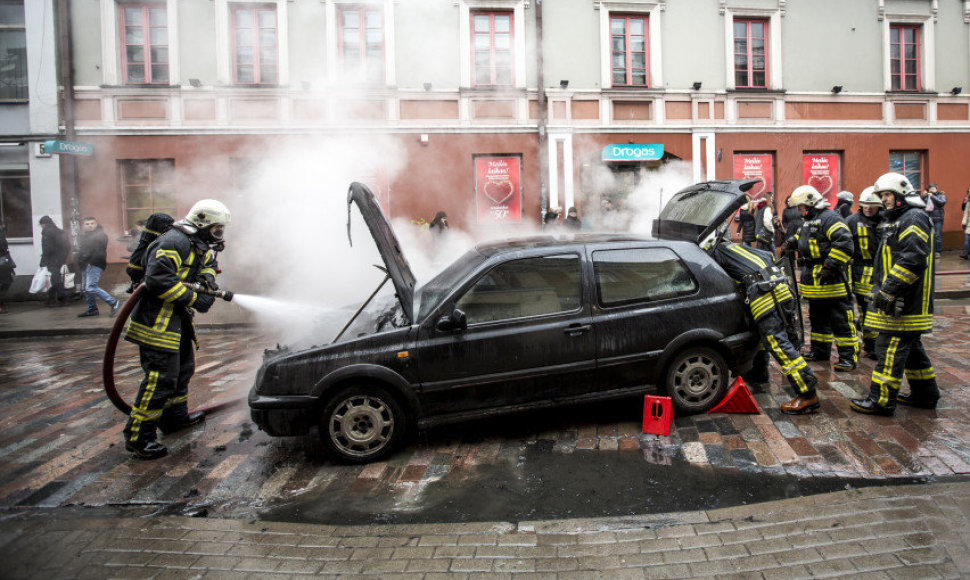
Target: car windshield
(699, 208)
(432, 293)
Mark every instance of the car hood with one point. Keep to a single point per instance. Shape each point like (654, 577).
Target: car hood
(693, 213)
(397, 265)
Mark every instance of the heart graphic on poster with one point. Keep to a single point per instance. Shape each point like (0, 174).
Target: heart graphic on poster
(758, 188)
(821, 183)
(498, 191)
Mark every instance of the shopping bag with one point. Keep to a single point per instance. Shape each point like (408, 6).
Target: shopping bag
(68, 278)
(41, 281)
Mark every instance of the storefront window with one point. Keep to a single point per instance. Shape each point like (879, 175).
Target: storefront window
(147, 187)
(910, 164)
(15, 203)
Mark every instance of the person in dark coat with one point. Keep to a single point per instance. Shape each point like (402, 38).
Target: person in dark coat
(7, 267)
(843, 205)
(54, 249)
(746, 222)
(791, 221)
(439, 225)
(92, 260)
(572, 221)
(935, 201)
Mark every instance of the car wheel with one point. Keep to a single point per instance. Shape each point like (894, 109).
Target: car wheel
(362, 424)
(696, 380)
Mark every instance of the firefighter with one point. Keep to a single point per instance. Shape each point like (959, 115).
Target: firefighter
(161, 324)
(902, 303)
(825, 248)
(772, 304)
(863, 225)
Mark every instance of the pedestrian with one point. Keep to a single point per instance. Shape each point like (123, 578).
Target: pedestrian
(791, 220)
(550, 220)
(572, 221)
(54, 248)
(161, 325)
(764, 224)
(824, 249)
(769, 296)
(7, 267)
(439, 225)
(843, 203)
(935, 201)
(902, 303)
(864, 227)
(966, 225)
(156, 225)
(92, 262)
(746, 222)
(134, 236)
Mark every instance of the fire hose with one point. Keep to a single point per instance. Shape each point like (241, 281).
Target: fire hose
(108, 366)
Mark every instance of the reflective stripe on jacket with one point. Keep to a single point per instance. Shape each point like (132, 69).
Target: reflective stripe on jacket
(866, 240)
(740, 262)
(825, 240)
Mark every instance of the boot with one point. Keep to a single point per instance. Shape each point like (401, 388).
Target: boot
(815, 356)
(911, 401)
(169, 426)
(146, 449)
(844, 365)
(869, 348)
(868, 406)
(803, 404)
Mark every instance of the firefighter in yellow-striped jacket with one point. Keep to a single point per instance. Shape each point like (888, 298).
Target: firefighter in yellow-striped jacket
(161, 324)
(902, 303)
(825, 248)
(864, 227)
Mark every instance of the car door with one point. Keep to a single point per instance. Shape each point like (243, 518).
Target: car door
(528, 337)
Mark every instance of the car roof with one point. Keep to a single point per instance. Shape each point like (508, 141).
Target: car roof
(552, 241)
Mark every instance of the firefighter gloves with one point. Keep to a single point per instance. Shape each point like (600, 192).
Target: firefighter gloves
(883, 302)
(203, 302)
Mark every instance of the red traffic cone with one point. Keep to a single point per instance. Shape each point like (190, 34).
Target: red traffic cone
(658, 412)
(737, 400)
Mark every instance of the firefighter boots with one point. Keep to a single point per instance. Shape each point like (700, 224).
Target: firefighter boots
(912, 401)
(844, 365)
(146, 449)
(868, 406)
(803, 404)
(169, 426)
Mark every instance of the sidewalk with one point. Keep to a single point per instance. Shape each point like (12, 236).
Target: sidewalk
(883, 532)
(33, 319)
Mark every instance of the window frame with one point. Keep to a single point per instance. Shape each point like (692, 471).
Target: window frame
(492, 13)
(255, 7)
(22, 93)
(628, 64)
(749, 55)
(146, 45)
(362, 9)
(124, 185)
(10, 173)
(900, 28)
(921, 155)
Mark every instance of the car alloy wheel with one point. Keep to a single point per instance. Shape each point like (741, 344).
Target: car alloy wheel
(362, 424)
(696, 380)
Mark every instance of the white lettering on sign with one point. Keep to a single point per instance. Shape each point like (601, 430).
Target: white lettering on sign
(618, 151)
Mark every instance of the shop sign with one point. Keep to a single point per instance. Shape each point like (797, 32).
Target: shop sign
(68, 147)
(822, 171)
(759, 166)
(633, 152)
(497, 188)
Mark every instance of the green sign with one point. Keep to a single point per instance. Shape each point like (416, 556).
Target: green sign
(68, 147)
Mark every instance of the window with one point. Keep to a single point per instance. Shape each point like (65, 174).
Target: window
(750, 54)
(13, 51)
(15, 213)
(492, 48)
(147, 187)
(629, 42)
(255, 46)
(910, 164)
(145, 44)
(640, 274)
(362, 43)
(521, 288)
(904, 57)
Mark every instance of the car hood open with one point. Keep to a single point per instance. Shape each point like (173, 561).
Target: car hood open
(387, 244)
(693, 213)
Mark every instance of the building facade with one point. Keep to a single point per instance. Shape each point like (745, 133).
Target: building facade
(494, 110)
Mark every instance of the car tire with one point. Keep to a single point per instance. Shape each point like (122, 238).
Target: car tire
(696, 380)
(361, 423)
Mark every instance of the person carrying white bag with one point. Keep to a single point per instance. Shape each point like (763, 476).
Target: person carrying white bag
(54, 248)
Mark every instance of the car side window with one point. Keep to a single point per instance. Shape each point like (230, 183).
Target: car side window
(640, 274)
(523, 288)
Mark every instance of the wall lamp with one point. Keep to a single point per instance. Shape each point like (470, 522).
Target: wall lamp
(837, 89)
(195, 83)
(956, 90)
(697, 86)
(427, 86)
(563, 84)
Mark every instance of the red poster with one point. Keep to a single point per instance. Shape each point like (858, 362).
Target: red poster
(497, 189)
(821, 171)
(758, 166)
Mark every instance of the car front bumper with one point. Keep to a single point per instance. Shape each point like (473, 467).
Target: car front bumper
(283, 416)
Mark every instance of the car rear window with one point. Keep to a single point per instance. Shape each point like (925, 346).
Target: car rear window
(640, 274)
(523, 288)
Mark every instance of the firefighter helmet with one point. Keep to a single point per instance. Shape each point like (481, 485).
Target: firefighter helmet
(845, 195)
(868, 197)
(894, 182)
(808, 196)
(208, 212)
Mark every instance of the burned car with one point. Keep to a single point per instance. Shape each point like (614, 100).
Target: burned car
(523, 324)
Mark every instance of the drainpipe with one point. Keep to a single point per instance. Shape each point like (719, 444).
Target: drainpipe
(66, 66)
(543, 108)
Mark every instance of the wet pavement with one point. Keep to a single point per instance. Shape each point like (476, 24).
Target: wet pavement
(61, 462)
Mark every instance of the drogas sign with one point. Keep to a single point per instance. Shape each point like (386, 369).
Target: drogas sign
(633, 152)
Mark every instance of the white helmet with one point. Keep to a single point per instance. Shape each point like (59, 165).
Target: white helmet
(846, 195)
(208, 212)
(894, 182)
(807, 195)
(868, 197)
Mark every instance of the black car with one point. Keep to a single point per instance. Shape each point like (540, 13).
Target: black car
(523, 324)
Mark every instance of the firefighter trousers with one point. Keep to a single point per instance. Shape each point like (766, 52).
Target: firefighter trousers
(793, 366)
(868, 336)
(898, 355)
(163, 394)
(833, 318)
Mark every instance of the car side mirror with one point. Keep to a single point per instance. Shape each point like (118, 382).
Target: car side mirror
(455, 320)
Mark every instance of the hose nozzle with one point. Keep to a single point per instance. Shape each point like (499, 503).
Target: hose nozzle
(202, 289)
